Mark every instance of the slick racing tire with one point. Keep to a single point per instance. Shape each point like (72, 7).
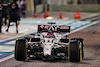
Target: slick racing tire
(20, 49)
(82, 44)
(74, 51)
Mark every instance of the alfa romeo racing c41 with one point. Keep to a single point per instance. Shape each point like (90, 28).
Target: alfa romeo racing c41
(50, 44)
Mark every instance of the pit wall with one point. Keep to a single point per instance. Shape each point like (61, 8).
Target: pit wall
(74, 7)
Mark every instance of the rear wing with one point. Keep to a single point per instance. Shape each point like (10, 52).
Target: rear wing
(46, 28)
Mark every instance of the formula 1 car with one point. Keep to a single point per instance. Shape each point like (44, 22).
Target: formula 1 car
(49, 44)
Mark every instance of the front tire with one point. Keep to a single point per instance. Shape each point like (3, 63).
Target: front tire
(74, 51)
(82, 44)
(20, 49)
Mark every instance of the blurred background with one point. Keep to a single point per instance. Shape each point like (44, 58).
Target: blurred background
(61, 5)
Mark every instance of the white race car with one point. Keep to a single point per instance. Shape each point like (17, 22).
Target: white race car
(49, 44)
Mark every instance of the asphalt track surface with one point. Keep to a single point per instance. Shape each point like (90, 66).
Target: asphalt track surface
(91, 59)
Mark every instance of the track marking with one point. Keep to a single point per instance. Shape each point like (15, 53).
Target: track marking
(6, 48)
(6, 58)
(82, 27)
(14, 37)
(85, 27)
(11, 42)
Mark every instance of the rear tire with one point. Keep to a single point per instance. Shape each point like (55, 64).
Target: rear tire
(74, 51)
(20, 49)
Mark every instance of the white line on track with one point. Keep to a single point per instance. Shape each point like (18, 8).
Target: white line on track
(83, 27)
(13, 37)
(6, 58)
(11, 56)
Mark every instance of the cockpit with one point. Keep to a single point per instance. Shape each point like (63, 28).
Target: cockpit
(49, 35)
